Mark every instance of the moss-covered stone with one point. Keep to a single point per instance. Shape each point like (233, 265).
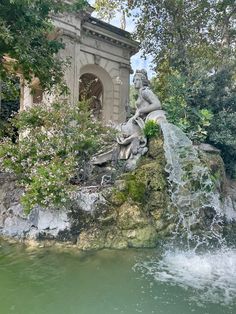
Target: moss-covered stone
(167, 231)
(135, 189)
(117, 198)
(99, 238)
(137, 209)
(138, 204)
(215, 164)
(91, 240)
(142, 237)
(155, 148)
(131, 216)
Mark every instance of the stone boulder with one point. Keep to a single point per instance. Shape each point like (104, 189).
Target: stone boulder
(15, 223)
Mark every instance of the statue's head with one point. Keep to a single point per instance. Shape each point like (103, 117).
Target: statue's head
(140, 76)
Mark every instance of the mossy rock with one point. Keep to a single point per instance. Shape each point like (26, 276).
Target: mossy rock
(117, 197)
(157, 201)
(135, 188)
(115, 240)
(148, 178)
(151, 176)
(91, 239)
(155, 148)
(215, 164)
(95, 239)
(167, 231)
(138, 203)
(142, 237)
(130, 216)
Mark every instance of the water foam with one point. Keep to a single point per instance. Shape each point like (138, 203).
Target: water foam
(212, 275)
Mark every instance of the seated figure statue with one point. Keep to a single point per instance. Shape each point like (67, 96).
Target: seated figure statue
(148, 105)
(131, 139)
(132, 143)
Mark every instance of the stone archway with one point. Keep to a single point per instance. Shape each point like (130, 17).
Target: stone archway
(101, 86)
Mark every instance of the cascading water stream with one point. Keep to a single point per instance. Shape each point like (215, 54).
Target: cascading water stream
(192, 191)
(205, 264)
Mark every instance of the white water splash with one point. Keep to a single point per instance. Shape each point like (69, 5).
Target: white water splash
(211, 275)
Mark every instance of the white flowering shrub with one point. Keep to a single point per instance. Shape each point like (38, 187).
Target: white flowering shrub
(54, 141)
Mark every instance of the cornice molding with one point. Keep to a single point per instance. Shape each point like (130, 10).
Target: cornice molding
(89, 30)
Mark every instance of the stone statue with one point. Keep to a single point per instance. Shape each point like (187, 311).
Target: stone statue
(148, 105)
(132, 143)
(131, 139)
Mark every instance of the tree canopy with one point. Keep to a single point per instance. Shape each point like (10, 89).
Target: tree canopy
(107, 9)
(24, 29)
(193, 44)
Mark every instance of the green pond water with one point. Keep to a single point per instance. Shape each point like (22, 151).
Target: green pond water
(46, 281)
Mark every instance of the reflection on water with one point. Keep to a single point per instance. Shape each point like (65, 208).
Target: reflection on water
(45, 281)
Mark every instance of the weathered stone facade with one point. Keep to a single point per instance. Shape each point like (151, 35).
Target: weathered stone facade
(100, 50)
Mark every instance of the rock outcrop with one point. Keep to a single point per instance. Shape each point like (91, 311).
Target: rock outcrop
(129, 213)
(137, 211)
(15, 223)
(133, 211)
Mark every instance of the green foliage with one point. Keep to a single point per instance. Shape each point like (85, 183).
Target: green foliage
(133, 96)
(193, 48)
(3, 128)
(223, 135)
(183, 109)
(151, 129)
(107, 9)
(204, 120)
(180, 30)
(10, 88)
(24, 29)
(172, 87)
(9, 101)
(55, 140)
(203, 106)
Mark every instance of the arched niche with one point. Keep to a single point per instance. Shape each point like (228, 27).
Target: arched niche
(36, 91)
(94, 71)
(91, 89)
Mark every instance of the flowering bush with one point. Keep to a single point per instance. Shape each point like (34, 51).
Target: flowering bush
(54, 141)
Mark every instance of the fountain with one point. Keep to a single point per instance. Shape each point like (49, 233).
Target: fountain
(195, 269)
(197, 256)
